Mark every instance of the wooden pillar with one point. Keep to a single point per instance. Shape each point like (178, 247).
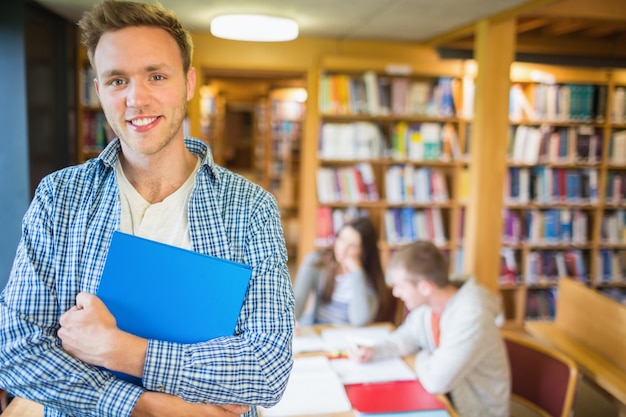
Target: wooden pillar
(307, 210)
(494, 51)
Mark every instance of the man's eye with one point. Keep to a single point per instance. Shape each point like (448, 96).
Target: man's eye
(117, 83)
(158, 77)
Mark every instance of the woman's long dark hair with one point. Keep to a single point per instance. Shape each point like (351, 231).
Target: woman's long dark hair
(370, 259)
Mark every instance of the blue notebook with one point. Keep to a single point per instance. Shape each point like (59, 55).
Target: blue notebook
(158, 291)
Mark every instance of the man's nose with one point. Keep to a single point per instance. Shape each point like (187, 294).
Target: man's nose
(138, 95)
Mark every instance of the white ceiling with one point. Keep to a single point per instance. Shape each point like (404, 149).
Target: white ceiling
(391, 20)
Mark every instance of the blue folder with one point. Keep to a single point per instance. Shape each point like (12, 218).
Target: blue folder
(158, 291)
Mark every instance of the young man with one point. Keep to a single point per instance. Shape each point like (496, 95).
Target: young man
(459, 348)
(56, 336)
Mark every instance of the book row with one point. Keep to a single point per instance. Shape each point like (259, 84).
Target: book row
(410, 184)
(373, 94)
(546, 185)
(557, 102)
(541, 304)
(287, 109)
(561, 227)
(613, 227)
(330, 220)
(615, 187)
(546, 267)
(549, 144)
(403, 184)
(428, 141)
(349, 184)
(617, 147)
(406, 224)
(546, 227)
(96, 132)
(88, 97)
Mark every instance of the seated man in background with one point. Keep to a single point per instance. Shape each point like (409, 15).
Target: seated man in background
(459, 348)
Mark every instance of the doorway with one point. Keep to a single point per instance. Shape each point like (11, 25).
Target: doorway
(254, 122)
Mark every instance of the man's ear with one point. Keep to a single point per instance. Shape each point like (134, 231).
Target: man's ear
(424, 287)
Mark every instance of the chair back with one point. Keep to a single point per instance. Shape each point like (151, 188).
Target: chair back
(543, 378)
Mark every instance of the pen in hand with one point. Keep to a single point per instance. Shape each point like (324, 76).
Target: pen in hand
(359, 351)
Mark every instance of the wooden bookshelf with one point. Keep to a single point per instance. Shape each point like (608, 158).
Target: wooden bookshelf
(590, 239)
(212, 114)
(557, 192)
(397, 158)
(92, 130)
(285, 121)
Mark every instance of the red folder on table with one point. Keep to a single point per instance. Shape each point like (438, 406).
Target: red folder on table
(387, 397)
(159, 291)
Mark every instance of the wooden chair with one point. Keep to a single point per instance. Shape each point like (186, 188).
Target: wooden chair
(4, 399)
(543, 379)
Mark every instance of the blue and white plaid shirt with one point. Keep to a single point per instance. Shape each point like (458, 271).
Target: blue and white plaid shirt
(65, 238)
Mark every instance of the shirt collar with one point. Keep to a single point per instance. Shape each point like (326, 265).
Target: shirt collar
(109, 156)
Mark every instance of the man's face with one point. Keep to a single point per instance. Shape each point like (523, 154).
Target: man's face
(408, 291)
(142, 87)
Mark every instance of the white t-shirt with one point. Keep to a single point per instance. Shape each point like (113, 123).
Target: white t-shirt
(166, 221)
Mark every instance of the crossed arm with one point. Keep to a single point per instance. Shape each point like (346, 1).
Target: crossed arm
(89, 333)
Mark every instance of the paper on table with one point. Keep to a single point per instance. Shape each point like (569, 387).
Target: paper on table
(309, 343)
(313, 388)
(342, 339)
(384, 370)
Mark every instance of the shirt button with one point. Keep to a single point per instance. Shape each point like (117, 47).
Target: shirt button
(161, 388)
(205, 401)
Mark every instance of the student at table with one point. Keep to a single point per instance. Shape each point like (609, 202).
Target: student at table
(452, 331)
(346, 281)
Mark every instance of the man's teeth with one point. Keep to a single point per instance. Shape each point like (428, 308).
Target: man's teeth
(144, 121)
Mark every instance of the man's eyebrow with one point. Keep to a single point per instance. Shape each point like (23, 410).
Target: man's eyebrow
(148, 69)
(158, 67)
(112, 73)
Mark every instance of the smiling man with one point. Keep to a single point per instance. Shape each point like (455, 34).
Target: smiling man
(56, 336)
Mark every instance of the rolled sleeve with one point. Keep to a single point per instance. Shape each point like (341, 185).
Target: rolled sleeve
(118, 399)
(162, 372)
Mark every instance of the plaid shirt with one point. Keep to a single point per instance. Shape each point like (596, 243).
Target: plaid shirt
(65, 237)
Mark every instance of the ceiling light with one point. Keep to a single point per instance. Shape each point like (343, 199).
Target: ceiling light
(256, 28)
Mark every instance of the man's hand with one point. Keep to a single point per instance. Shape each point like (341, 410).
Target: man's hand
(361, 353)
(89, 332)
(153, 404)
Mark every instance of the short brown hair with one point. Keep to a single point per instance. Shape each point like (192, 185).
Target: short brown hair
(422, 260)
(112, 15)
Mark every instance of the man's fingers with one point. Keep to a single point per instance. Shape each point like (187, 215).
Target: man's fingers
(84, 299)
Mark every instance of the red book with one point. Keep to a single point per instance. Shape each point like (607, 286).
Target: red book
(393, 397)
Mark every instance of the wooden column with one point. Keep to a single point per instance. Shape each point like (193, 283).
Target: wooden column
(494, 51)
(307, 210)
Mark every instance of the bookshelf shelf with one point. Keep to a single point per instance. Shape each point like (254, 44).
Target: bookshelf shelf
(397, 140)
(575, 173)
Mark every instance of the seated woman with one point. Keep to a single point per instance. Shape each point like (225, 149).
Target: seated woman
(346, 280)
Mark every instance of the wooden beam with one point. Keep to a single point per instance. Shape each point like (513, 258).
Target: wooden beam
(596, 9)
(604, 29)
(494, 51)
(498, 17)
(528, 24)
(564, 27)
